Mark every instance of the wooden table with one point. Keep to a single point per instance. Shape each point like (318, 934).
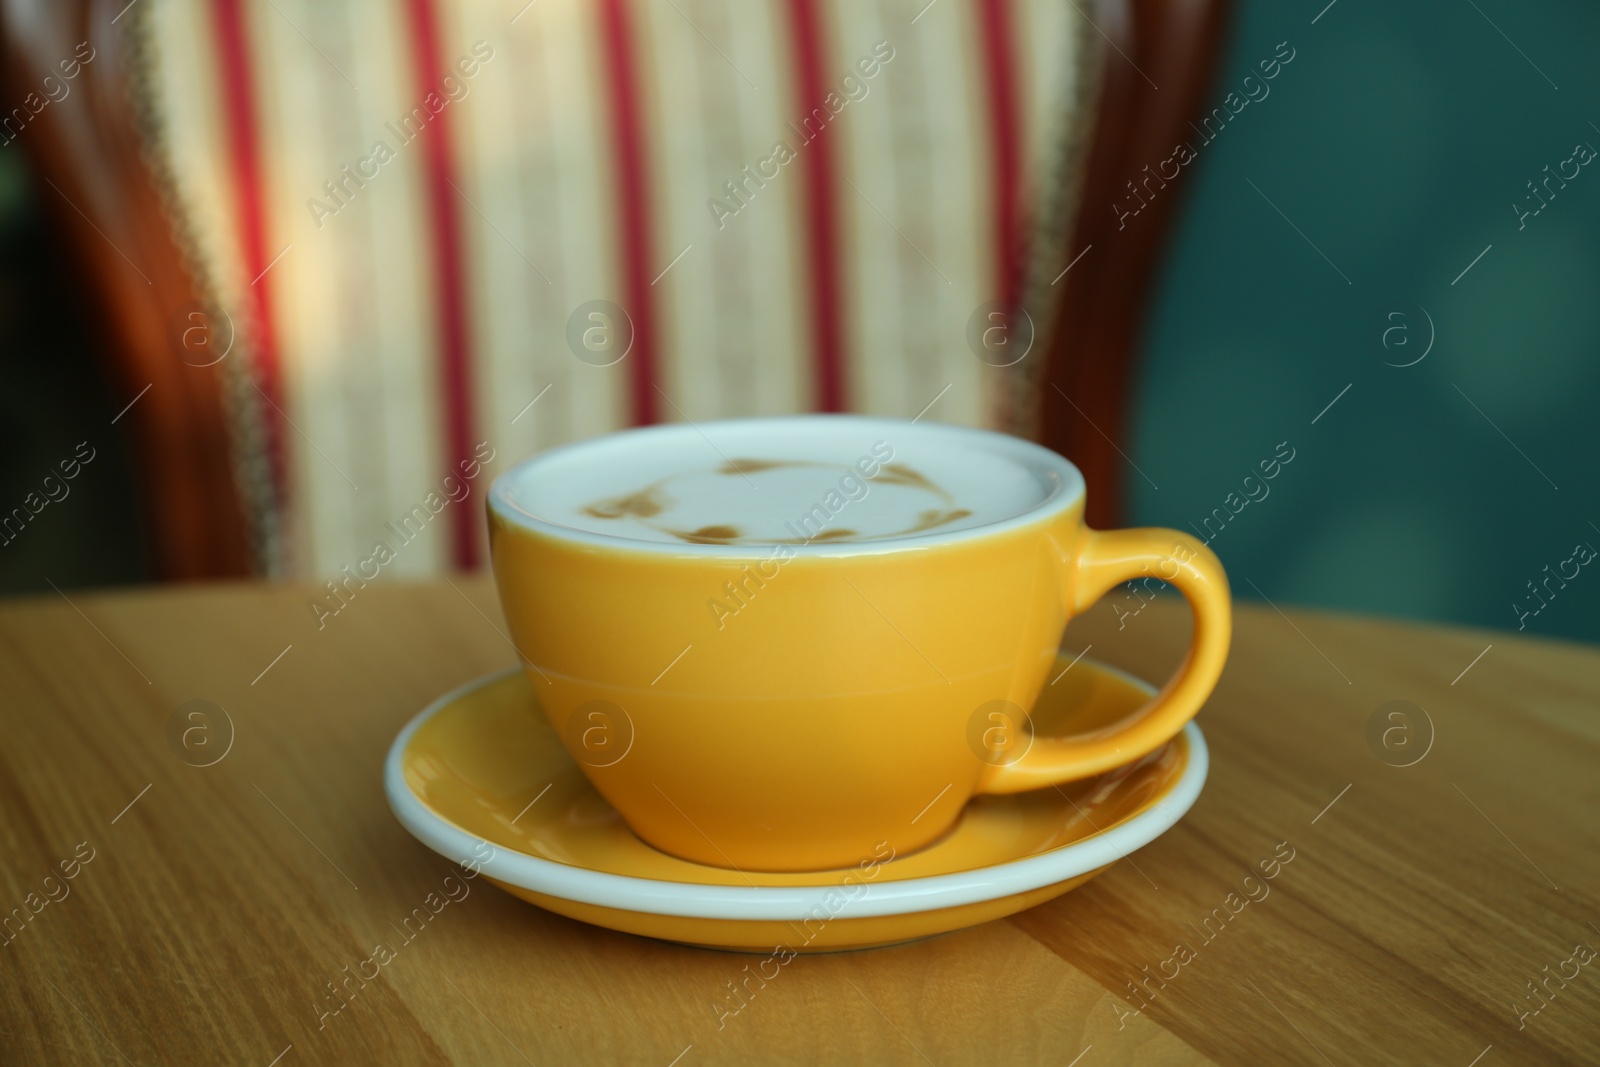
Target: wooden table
(218, 902)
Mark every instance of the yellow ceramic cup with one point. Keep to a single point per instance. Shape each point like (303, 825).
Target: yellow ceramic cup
(847, 698)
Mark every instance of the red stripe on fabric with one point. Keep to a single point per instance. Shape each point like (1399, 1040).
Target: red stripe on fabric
(999, 61)
(636, 245)
(449, 271)
(820, 206)
(242, 134)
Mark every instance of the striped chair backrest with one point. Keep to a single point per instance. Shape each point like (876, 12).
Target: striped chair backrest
(447, 234)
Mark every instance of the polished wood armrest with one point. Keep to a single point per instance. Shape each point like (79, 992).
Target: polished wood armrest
(97, 188)
(1156, 80)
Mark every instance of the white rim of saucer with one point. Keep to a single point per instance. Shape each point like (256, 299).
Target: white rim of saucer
(698, 901)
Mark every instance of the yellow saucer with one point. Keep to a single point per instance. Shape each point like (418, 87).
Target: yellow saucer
(481, 778)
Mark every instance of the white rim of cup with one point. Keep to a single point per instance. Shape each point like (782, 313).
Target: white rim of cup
(1065, 487)
(699, 901)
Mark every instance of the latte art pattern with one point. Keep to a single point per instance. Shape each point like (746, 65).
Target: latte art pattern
(836, 483)
(654, 504)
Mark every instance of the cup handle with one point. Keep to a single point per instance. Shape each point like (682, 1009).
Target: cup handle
(1103, 560)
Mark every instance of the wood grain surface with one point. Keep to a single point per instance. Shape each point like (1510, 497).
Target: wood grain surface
(211, 910)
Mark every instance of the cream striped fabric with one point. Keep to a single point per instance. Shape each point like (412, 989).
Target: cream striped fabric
(348, 209)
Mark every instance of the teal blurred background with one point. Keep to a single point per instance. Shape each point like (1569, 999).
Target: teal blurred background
(1397, 140)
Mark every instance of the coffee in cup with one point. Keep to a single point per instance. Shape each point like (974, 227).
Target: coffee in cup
(786, 643)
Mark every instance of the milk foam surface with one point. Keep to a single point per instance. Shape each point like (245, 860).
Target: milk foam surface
(805, 480)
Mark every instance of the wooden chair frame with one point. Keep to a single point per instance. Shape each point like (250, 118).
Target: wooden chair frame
(104, 201)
